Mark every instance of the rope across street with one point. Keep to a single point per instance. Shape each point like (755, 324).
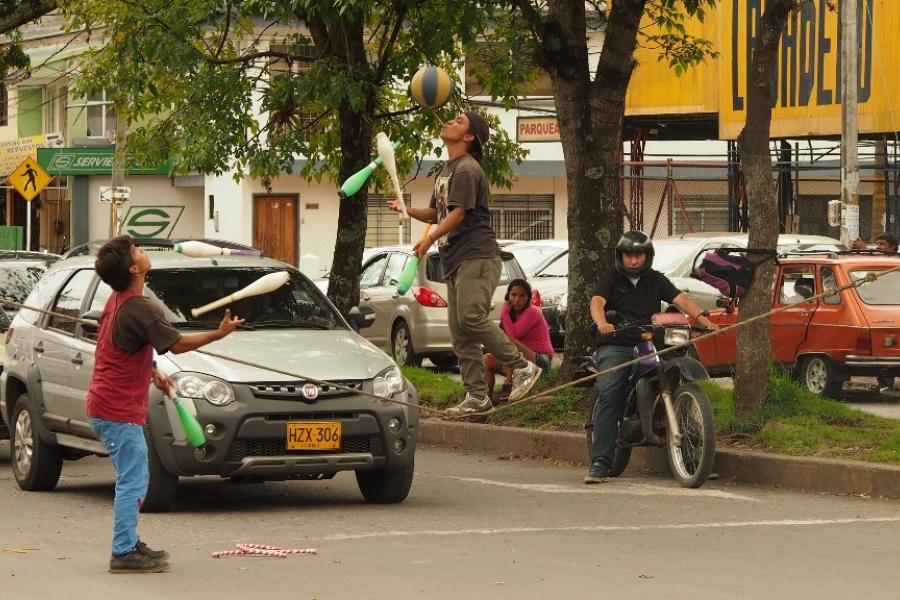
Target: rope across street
(869, 278)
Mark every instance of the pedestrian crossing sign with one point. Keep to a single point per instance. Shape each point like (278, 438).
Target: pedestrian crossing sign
(29, 178)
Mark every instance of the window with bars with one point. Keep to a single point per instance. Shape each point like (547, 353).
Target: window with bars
(705, 214)
(383, 223)
(522, 217)
(300, 63)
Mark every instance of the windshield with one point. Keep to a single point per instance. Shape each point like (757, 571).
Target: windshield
(558, 268)
(16, 281)
(531, 257)
(299, 304)
(671, 253)
(884, 290)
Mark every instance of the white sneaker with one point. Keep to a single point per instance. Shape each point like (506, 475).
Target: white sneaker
(523, 380)
(469, 405)
(885, 390)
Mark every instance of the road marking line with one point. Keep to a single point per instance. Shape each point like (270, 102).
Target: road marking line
(619, 487)
(509, 530)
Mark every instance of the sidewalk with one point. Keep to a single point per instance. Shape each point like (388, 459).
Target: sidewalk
(800, 473)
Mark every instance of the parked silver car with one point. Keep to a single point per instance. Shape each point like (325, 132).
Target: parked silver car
(259, 423)
(414, 326)
(19, 272)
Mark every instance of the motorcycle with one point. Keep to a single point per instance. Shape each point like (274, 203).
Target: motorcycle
(664, 406)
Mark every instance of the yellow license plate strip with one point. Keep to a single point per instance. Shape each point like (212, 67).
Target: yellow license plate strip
(309, 435)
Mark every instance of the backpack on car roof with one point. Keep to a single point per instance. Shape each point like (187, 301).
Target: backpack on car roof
(729, 269)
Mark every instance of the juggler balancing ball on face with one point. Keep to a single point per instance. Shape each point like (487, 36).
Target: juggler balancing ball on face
(431, 86)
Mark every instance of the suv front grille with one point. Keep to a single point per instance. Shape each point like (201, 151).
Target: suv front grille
(241, 449)
(294, 390)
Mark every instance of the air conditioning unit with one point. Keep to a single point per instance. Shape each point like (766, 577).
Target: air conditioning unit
(54, 140)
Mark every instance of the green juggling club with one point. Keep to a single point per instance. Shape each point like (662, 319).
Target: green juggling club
(408, 275)
(359, 179)
(193, 431)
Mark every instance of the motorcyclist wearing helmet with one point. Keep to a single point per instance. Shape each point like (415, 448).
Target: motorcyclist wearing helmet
(634, 290)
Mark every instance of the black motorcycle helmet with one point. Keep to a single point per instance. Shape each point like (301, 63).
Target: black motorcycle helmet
(634, 242)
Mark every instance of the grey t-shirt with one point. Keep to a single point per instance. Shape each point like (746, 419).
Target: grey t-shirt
(140, 321)
(462, 184)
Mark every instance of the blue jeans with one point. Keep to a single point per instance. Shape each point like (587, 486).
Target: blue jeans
(127, 447)
(610, 404)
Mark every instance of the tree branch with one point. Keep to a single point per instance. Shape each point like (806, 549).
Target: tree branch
(20, 13)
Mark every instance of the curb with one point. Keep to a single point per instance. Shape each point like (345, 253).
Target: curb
(793, 472)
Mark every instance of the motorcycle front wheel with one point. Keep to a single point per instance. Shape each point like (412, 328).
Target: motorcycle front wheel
(691, 459)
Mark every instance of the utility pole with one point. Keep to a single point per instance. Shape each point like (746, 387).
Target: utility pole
(849, 124)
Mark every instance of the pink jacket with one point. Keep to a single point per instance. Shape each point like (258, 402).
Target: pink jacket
(530, 328)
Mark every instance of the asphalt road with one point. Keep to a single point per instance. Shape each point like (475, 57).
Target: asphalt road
(474, 526)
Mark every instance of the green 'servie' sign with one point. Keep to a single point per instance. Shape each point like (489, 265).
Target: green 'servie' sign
(87, 161)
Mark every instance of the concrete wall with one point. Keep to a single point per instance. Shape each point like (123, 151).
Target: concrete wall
(148, 190)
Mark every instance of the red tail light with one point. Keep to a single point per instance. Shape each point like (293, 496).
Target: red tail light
(8, 337)
(428, 297)
(535, 297)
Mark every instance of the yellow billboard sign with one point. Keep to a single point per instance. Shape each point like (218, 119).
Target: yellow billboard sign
(807, 81)
(13, 152)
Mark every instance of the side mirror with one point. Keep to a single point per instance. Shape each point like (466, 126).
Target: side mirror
(361, 317)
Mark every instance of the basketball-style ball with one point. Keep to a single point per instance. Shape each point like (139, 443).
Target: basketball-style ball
(431, 86)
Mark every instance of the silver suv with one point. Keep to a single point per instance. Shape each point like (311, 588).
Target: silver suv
(414, 325)
(259, 424)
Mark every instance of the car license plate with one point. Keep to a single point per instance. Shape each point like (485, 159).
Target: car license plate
(324, 435)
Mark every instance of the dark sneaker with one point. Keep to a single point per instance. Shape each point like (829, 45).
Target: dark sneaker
(136, 562)
(598, 473)
(470, 405)
(523, 380)
(146, 551)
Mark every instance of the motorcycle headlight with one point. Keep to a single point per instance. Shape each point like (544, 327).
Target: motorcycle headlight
(388, 382)
(675, 336)
(203, 387)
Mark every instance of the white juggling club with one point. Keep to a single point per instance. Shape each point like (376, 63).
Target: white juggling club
(386, 153)
(263, 285)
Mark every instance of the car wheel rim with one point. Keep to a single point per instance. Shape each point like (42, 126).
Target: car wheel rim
(401, 343)
(816, 375)
(23, 449)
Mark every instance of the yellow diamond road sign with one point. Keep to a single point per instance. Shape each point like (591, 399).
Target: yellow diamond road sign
(29, 179)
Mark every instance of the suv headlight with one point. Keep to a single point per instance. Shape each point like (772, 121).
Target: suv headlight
(675, 336)
(203, 387)
(388, 382)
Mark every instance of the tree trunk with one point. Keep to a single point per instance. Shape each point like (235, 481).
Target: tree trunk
(751, 383)
(590, 114)
(356, 132)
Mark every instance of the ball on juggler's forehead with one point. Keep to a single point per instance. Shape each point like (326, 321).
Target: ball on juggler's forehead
(431, 86)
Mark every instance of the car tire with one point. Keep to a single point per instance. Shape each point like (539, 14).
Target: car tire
(817, 374)
(402, 347)
(36, 464)
(162, 485)
(385, 486)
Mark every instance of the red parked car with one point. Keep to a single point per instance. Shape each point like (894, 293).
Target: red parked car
(827, 340)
